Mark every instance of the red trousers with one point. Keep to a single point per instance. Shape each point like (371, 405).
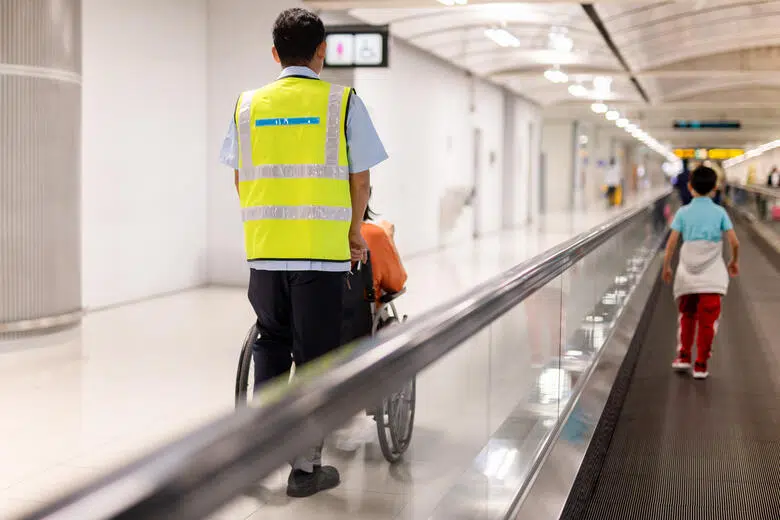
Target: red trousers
(702, 311)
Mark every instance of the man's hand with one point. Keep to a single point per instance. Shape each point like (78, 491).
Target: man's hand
(667, 275)
(734, 268)
(357, 247)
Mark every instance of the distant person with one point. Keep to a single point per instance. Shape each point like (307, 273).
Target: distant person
(718, 196)
(702, 276)
(773, 179)
(681, 183)
(751, 175)
(612, 179)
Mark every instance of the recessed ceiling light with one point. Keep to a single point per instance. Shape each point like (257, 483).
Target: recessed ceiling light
(559, 40)
(631, 127)
(599, 108)
(622, 122)
(454, 2)
(612, 115)
(578, 90)
(556, 75)
(602, 84)
(502, 37)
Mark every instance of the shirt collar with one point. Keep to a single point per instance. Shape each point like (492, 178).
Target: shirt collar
(702, 199)
(298, 71)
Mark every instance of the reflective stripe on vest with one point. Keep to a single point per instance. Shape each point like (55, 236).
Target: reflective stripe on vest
(297, 213)
(293, 172)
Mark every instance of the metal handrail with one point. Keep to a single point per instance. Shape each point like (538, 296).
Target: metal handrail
(761, 190)
(203, 471)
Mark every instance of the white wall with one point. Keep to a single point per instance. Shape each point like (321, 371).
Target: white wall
(144, 142)
(558, 148)
(520, 187)
(760, 165)
(427, 136)
(428, 129)
(160, 213)
(489, 117)
(237, 60)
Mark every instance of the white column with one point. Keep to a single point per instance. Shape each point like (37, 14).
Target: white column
(40, 127)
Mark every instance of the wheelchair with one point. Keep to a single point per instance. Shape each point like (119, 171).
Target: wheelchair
(364, 315)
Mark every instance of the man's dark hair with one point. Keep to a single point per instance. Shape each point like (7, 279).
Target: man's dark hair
(703, 180)
(297, 34)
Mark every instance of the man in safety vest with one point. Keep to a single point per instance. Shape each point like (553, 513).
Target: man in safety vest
(301, 149)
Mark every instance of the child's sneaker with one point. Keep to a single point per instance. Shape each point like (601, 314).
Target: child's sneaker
(682, 363)
(700, 371)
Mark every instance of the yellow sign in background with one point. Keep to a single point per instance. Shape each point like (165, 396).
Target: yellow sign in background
(716, 154)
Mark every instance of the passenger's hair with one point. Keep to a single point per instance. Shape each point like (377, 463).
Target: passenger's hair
(369, 214)
(297, 34)
(703, 180)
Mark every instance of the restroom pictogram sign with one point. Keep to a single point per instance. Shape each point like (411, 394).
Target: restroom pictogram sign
(357, 46)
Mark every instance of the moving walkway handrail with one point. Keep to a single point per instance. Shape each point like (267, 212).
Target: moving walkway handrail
(761, 190)
(198, 474)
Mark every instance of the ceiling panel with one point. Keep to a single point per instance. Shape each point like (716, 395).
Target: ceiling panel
(650, 33)
(458, 35)
(696, 59)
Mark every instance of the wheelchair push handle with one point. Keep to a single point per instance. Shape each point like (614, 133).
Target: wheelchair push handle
(363, 270)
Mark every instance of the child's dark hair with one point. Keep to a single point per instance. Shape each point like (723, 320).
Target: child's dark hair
(297, 34)
(704, 180)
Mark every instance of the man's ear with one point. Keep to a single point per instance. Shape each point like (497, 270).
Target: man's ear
(321, 50)
(277, 59)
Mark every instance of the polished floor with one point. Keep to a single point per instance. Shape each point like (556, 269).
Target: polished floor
(79, 403)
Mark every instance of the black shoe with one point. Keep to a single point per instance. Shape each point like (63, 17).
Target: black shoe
(302, 484)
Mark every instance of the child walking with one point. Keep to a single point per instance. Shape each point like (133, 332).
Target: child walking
(702, 276)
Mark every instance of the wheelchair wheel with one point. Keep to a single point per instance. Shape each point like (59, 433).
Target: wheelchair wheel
(395, 422)
(245, 377)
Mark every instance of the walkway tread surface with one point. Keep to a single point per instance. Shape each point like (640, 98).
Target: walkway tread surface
(702, 449)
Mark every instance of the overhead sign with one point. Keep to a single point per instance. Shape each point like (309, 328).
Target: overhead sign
(356, 46)
(720, 154)
(716, 154)
(707, 125)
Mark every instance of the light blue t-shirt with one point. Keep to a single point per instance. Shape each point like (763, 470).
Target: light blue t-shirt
(364, 151)
(702, 219)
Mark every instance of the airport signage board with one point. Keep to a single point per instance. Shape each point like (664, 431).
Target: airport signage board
(356, 46)
(716, 154)
(707, 125)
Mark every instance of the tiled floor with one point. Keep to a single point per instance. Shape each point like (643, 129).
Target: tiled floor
(78, 403)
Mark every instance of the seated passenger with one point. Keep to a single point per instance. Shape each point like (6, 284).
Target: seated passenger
(389, 277)
(389, 272)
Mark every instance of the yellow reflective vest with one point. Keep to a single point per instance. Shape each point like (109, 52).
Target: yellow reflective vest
(293, 171)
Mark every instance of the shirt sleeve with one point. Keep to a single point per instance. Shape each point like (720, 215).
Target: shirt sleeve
(677, 223)
(726, 224)
(364, 148)
(229, 153)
